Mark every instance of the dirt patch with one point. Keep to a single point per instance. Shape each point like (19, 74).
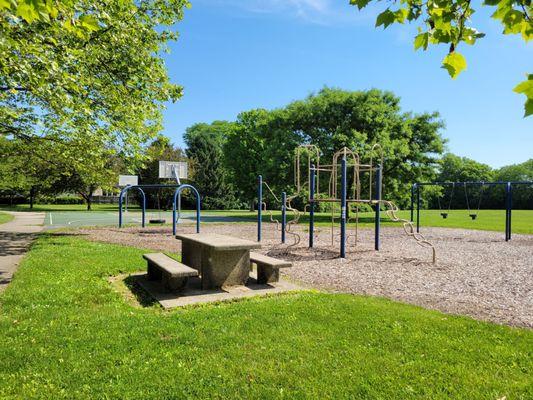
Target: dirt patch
(477, 273)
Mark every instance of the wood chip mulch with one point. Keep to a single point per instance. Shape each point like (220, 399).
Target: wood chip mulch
(477, 273)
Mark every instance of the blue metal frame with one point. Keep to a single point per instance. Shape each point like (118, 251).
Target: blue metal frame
(312, 179)
(143, 205)
(343, 207)
(178, 193)
(283, 215)
(377, 222)
(508, 199)
(259, 206)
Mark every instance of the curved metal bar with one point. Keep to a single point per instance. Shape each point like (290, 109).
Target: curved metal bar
(178, 193)
(121, 196)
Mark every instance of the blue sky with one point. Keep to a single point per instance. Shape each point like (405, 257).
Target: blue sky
(236, 55)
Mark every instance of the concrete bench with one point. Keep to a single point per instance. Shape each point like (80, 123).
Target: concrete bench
(172, 274)
(267, 267)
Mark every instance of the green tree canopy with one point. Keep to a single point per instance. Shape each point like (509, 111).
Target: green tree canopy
(448, 22)
(522, 194)
(462, 169)
(85, 73)
(264, 141)
(209, 174)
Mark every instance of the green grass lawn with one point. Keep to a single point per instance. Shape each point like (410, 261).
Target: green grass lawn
(66, 334)
(4, 217)
(492, 220)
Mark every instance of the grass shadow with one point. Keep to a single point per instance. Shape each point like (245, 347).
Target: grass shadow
(142, 297)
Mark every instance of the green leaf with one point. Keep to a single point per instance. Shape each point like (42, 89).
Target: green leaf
(526, 88)
(513, 22)
(4, 4)
(422, 40)
(401, 14)
(454, 63)
(527, 31)
(359, 3)
(27, 10)
(89, 22)
(470, 35)
(386, 18)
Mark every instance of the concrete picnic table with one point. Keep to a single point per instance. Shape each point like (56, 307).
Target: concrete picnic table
(220, 260)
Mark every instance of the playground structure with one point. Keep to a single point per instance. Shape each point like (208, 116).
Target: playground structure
(167, 169)
(473, 213)
(346, 182)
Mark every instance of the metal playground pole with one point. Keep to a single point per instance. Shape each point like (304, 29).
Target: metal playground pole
(508, 211)
(259, 206)
(283, 216)
(413, 188)
(312, 179)
(417, 208)
(377, 221)
(343, 207)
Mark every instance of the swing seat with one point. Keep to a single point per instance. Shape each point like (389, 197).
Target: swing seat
(473, 216)
(444, 215)
(157, 221)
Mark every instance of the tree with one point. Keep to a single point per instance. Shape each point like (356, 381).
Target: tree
(161, 149)
(522, 194)
(462, 169)
(448, 22)
(260, 144)
(205, 151)
(13, 180)
(453, 168)
(264, 141)
(85, 73)
(48, 168)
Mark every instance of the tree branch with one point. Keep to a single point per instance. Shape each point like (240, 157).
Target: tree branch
(18, 88)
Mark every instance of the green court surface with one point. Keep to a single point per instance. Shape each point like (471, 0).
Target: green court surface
(65, 219)
(74, 219)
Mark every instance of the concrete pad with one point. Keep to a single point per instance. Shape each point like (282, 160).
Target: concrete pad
(194, 294)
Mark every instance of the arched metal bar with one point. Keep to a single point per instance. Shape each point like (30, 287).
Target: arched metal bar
(143, 206)
(178, 193)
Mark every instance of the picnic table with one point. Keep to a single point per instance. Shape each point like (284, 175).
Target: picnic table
(220, 260)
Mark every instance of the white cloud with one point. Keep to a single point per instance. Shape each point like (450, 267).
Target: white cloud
(314, 11)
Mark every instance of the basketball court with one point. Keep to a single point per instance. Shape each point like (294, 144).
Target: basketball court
(73, 219)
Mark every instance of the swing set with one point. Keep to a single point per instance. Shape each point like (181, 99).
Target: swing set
(167, 170)
(449, 188)
(472, 212)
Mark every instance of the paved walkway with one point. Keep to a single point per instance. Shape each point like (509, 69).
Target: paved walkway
(15, 239)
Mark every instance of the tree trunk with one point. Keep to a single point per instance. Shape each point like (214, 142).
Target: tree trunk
(252, 206)
(32, 192)
(87, 197)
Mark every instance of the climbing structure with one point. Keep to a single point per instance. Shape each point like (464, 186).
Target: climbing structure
(347, 184)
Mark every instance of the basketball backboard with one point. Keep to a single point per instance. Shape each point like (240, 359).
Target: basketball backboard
(173, 169)
(128, 180)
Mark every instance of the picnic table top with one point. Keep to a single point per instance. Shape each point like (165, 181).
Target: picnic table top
(218, 242)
